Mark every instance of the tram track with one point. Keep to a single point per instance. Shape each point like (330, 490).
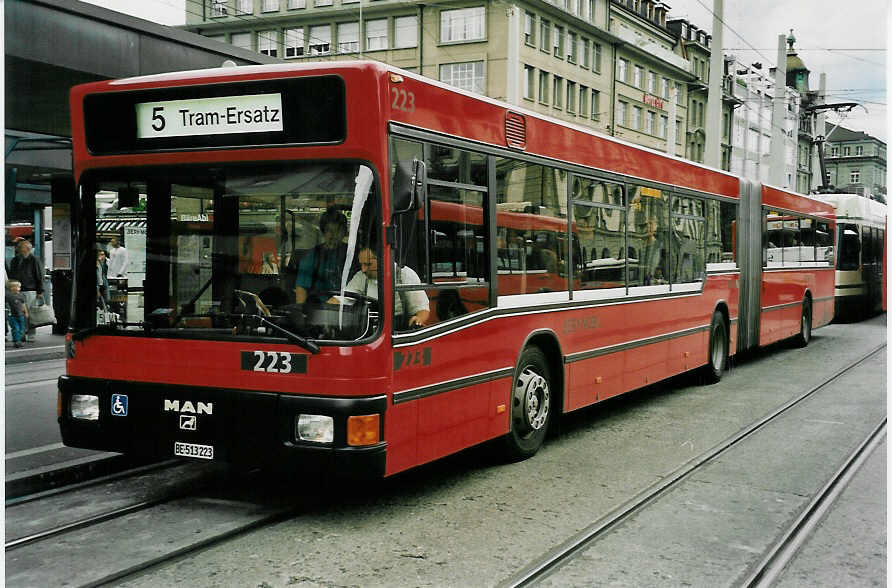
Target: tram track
(190, 515)
(778, 556)
(772, 565)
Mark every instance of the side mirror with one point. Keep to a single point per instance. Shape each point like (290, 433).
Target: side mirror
(408, 186)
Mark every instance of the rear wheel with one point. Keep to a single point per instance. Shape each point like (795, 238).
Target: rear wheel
(530, 405)
(804, 335)
(718, 349)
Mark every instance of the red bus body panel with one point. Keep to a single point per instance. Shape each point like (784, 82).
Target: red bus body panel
(603, 336)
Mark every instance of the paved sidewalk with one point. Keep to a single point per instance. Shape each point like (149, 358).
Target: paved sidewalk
(46, 345)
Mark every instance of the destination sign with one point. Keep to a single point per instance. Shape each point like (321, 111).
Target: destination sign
(209, 116)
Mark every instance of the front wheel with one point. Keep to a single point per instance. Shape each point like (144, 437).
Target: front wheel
(804, 335)
(718, 349)
(530, 406)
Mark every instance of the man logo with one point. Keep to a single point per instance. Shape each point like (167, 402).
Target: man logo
(189, 407)
(188, 422)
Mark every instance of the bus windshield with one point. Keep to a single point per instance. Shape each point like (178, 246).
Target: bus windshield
(230, 251)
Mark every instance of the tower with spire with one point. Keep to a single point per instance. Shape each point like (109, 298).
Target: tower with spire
(797, 73)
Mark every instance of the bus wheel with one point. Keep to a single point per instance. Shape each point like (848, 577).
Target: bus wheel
(530, 406)
(804, 335)
(718, 349)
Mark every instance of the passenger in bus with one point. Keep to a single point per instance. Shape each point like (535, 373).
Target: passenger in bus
(269, 265)
(320, 269)
(411, 308)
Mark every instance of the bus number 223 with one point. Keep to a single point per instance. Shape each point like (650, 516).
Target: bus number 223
(403, 100)
(275, 362)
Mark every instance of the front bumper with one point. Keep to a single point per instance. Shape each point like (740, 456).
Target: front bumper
(245, 428)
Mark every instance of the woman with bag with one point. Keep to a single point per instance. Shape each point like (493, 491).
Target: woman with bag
(28, 270)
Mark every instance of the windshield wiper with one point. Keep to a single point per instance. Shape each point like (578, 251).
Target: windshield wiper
(310, 346)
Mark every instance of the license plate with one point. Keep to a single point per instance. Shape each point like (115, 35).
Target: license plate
(193, 450)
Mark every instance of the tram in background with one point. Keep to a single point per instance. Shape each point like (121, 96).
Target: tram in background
(561, 267)
(860, 256)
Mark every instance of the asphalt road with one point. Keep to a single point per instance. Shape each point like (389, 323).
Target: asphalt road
(470, 521)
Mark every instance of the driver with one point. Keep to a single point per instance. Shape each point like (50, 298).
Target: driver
(320, 269)
(411, 303)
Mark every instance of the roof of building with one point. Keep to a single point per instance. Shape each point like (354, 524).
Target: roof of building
(843, 134)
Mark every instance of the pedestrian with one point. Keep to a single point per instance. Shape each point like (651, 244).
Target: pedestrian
(17, 308)
(28, 271)
(118, 259)
(101, 279)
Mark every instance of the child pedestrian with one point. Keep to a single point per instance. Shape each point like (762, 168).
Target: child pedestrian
(18, 311)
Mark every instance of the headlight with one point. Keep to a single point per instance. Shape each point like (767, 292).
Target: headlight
(85, 407)
(315, 427)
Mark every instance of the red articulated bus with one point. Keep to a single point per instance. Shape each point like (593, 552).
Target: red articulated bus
(494, 269)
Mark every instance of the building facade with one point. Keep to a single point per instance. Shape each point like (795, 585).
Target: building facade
(855, 162)
(611, 65)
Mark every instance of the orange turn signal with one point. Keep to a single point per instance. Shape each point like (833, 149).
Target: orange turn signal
(363, 430)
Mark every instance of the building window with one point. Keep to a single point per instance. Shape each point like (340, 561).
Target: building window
(543, 87)
(583, 101)
(597, 64)
(529, 81)
(464, 24)
(664, 126)
(596, 105)
(664, 88)
(348, 37)
(405, 32)
(636, 117)
(529, 29)
(621, 110)
(649, 121)
(679, 94)
(558, 94)
(269, 6)
(638, 76)
(293, 4)
(859, 150)
(558, 42)
(652, 82)
(572, 47)
(834, 152)
(244, 6)
(319, 3)
(294, 43)
(320, 40)
(218, 8)
(846, 151)
(544, 35)
(571, 97)
(855, 176)
(242, 40)
(376, 34)
(585, 50)
(467, 76)
(268, 43)
(622, 70)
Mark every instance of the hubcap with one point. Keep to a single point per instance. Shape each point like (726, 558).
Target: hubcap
(531, 401)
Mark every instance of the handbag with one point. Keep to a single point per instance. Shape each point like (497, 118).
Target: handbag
(40, 314)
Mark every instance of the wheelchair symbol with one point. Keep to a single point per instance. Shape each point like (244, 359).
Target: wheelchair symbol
(119, 405)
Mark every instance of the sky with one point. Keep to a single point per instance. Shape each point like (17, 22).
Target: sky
(846, 40)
